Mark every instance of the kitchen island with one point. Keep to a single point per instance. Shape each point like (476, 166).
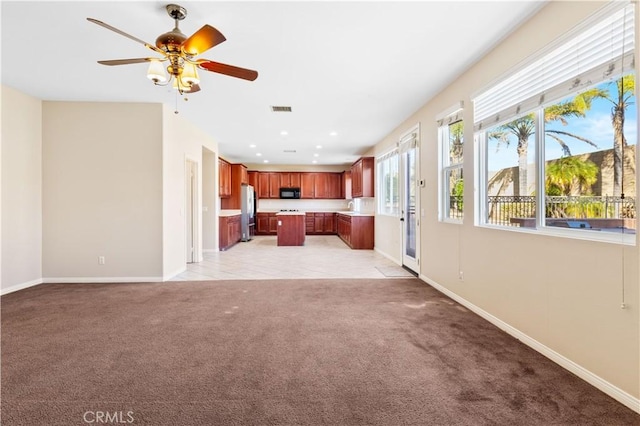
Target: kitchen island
(291, 228)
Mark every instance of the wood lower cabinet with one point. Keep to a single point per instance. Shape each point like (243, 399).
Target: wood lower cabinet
(356, 231)
(320, 223)
(230, 231)
(266, 224)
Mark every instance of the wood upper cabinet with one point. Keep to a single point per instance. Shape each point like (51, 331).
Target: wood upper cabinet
(307, 185)
(318, 185)
(362, 177)
(224, 178)
(253, 179)
(274, 185)
(346, 185)
(290, 180)
(238, 177)
(263, 185)
(334, 185)
(268, 185)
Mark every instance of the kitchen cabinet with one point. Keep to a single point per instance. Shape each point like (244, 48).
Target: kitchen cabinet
(266, 224)
(333, 185)
(346, 185)
(307, 185)
(291, 227)
(313, 185)
(289, 180)
(230, 231)
(273, 224)
(356, 231)
(224, 178)
(320, 223)
(268, 185)
(252, 177)
(362, 178)
(239, 176)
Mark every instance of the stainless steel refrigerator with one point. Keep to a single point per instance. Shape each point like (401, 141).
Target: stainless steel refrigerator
(248, 211)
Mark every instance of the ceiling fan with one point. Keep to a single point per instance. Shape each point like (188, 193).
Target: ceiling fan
(179, 51)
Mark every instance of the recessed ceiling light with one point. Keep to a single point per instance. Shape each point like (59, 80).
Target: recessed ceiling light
(333, 134)
(258, 154)
(252, 145)
(284, 133)
(318, 146)
(315, 161)
(316, 155)
(265, 161)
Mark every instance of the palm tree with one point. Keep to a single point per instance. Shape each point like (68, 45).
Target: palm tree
(524, 127)
(621, 99)
(568, 175)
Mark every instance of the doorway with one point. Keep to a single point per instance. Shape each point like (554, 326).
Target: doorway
(409, 200)
(191, 209)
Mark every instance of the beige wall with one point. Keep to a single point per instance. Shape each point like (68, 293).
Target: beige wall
(21, 190)
(102, 191)
(563, 296)
(209, 201)
(180, 141)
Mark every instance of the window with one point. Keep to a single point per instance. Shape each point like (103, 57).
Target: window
(557, 139)
(451, 135)
(387, 176)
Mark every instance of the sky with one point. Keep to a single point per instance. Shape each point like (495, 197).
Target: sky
(596, 127)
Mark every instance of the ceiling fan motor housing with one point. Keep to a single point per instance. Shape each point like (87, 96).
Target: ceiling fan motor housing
(172, 40)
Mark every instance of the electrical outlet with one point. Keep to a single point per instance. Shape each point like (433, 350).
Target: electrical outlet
(461, 275)
(100, 260)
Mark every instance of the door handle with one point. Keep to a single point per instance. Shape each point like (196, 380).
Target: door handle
(402, 219)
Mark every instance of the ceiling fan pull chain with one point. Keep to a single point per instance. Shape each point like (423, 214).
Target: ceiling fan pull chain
(176, 110)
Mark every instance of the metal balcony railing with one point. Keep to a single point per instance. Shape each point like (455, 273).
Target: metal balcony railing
(514, 210)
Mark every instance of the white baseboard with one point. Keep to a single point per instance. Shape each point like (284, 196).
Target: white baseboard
(20, 286)
(93, 280)
(586, 375)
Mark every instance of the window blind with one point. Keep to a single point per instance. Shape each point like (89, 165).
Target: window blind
(602, 49)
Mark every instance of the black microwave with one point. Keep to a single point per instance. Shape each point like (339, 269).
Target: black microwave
(289, 192)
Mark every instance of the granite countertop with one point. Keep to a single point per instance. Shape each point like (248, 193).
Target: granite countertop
(290, 214)
(226, 213)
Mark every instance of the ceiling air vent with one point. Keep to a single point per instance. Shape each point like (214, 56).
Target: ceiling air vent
(280, 108)
(291, 151)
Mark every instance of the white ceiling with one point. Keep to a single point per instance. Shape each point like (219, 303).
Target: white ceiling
(354, 68)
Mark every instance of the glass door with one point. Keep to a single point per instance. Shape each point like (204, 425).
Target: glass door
(410, 190)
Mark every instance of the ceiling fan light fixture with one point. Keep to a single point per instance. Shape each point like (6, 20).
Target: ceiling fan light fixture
(156, 72)
(190, 74)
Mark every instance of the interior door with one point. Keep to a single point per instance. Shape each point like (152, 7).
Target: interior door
(191, 209)
(409, 206)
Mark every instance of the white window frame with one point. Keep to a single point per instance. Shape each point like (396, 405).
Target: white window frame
(389, 159)
(488, 118)
(450, 116)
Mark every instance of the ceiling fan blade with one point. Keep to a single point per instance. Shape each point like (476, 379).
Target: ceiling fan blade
(202, 40)
(228, 69)
(127, 61)
(114, 29)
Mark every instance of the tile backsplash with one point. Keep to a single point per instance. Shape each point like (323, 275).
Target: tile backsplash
(363, 205)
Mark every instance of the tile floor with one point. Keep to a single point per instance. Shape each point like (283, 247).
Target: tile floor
(320, 257)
